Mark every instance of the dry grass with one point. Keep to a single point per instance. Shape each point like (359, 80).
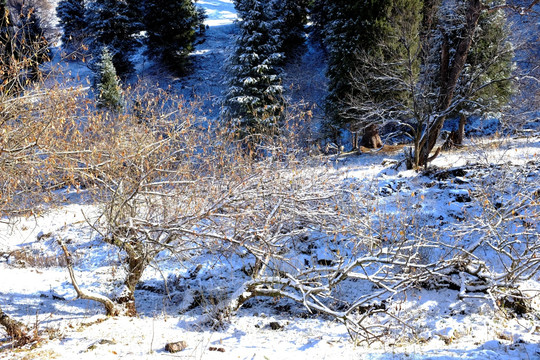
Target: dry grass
(26, 258)
(387, 149)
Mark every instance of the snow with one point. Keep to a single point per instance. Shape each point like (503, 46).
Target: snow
(35, 287)
(220, 12)
(445, 327)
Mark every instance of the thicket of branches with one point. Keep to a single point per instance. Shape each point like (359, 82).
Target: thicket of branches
(167, 183)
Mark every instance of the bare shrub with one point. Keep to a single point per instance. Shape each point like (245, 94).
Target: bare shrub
(507, 227)
(32, 126)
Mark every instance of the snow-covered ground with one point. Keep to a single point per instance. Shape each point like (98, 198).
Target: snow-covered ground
(35, 287)
(220, 12)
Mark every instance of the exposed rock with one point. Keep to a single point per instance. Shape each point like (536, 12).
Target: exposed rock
(274, 325)
(215, 348)
(176, 346)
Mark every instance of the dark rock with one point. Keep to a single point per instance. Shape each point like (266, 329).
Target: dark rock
(274, 325)
(215, 348)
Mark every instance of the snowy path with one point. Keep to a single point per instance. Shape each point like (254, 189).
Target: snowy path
(209, 61)
(206, 79)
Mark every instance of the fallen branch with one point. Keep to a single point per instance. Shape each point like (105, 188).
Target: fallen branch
(110, 306)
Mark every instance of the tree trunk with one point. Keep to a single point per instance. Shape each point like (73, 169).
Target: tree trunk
(371, 138)
(455, 138)
(137, 262)
(15, 329)
(461, 130)
(354, 140)
(449, 76)
(123, 304)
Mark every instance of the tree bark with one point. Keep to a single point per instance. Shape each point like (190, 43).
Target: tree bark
(137, 263)
(371, 138)
(455, 138)
(460, 135)
(449, 76)
(15, 329)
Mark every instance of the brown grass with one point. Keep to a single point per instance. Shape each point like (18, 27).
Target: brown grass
(385, 149)
(25, 258)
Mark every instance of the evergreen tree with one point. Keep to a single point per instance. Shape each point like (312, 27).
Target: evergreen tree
(34, 45)
(23, 45)
(485, 81)
(71, 15)
(171, 29)
(359, 35)
(107, 84)
(3, 14)
(114, 23)
(293, 15)
(5, 46)
(5, 33)
(254, 103)
(319, 19)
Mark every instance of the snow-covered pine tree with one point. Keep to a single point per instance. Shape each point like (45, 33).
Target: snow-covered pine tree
(318, 15)
(171, 29)
(107, 84)
(254, 102)
(114, 23)
(359, 35)
(71, 15)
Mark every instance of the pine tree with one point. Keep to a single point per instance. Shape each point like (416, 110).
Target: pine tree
(107, 84)
(171, 30)
(4, 14)
(34, 44)
(5, 46)
(71, 15)
(23, 45)
(5, 33)
(114, 23)
(319, 19)
(254, 102)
